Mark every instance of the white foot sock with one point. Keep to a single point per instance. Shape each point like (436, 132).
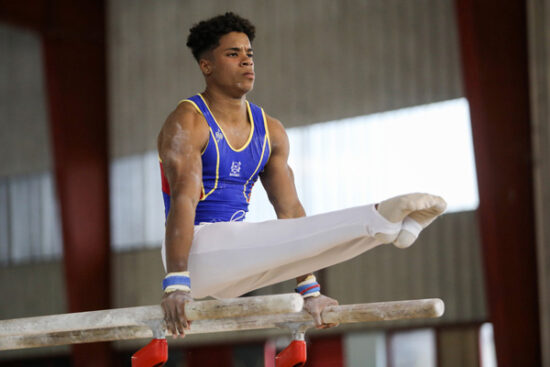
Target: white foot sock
(414, 211)
(410, 229)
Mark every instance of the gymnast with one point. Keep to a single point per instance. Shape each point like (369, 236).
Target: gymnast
(212, 149)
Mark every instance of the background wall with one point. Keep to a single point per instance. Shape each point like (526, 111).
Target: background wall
(539, 37)
(24, 137)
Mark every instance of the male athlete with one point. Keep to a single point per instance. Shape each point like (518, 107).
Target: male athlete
(213, 147)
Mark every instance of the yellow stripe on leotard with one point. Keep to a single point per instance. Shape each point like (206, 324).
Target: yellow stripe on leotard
(256, 170)
(228, 143)
(267, 134)
(204, 194)
(217, 168)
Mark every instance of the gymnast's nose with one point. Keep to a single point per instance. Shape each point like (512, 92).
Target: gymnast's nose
(247, 61)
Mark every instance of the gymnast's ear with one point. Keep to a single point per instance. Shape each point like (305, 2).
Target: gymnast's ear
(206, 64)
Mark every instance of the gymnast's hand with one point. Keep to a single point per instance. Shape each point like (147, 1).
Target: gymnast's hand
(315, 307)
(173, 305)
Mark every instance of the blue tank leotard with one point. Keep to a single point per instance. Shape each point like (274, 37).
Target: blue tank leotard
(228, 174)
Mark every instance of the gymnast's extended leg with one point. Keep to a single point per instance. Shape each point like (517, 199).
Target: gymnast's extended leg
(232, 258)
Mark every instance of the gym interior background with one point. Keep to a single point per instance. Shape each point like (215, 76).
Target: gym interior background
(86, 85)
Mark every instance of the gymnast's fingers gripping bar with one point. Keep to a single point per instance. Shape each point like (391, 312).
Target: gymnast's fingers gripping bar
(246, 313)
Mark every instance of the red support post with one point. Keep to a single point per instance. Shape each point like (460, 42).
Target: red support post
(326, 352)
(294, 355)
(493, 42)
(76, 80)
(154, 354)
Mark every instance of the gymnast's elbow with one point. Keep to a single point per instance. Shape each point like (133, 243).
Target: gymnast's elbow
(183, 199)
(288, 210)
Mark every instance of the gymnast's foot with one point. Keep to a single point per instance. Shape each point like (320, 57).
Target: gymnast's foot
(415, 211)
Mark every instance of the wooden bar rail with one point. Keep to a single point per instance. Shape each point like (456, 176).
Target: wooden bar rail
(211, 316)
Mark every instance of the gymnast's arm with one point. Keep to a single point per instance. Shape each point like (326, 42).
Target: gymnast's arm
(180, 143)
(278, 181)
(277, 176)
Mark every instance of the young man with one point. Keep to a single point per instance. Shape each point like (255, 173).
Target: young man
(213, 147)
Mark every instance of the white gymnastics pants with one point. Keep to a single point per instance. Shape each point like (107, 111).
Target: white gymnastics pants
(228, 259)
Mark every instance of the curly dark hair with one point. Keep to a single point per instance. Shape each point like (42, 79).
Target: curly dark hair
(205, 35)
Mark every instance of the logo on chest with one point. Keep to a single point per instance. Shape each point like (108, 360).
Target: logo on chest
(219, 136)
(235, 169)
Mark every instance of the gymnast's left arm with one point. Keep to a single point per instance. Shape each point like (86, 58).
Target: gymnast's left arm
(278, 181)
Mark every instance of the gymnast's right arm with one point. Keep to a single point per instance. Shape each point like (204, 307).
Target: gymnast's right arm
(180, 143)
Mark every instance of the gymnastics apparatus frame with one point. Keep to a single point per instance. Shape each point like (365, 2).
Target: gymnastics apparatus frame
(211, 316)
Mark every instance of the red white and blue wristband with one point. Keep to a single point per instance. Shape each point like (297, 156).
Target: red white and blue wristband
(309, 287)
(178, 281)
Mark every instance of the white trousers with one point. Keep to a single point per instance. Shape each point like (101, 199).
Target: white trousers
(228, 259)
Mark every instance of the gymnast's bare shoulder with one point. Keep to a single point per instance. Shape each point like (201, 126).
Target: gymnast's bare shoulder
(184, 127)
(277, 134)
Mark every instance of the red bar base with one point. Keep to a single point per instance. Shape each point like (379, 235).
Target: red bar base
(154, 354)
(294, 355)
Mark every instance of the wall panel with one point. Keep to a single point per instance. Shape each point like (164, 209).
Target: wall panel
(458, 346)
(24, 139)
(539, 52)
(32, 289)
(30, 228)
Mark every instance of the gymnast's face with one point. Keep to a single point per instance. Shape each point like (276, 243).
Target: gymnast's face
(230, 65)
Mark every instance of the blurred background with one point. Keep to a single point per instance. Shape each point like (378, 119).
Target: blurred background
(379, 98)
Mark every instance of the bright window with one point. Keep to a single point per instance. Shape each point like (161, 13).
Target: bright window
(414, 348)
(487, 346)
(366, 159)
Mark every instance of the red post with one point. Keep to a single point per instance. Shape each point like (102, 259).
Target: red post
(154, 354)
(493, 42)
(294, 355)
(326, 352)
(76, 80)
